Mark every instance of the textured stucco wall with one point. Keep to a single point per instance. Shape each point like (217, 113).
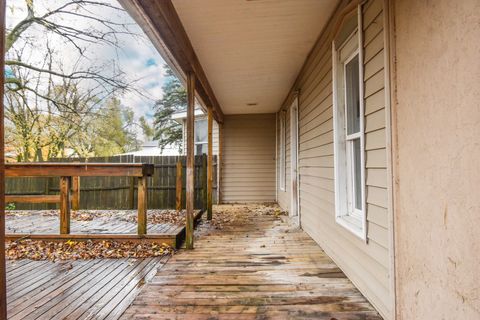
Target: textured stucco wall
(437, 200)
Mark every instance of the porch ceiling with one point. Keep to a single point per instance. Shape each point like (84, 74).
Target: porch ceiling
(252, 50)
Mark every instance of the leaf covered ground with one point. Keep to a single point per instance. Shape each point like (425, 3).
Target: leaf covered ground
(223, 216)
(76, 250)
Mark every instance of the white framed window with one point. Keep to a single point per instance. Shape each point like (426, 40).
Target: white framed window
(348, 123)
(201, 137)
(282, 150)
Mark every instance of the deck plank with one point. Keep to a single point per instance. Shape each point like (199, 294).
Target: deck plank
(77, 289)
(257, 267)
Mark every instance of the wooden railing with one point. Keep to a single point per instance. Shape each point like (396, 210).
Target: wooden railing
(69, 173)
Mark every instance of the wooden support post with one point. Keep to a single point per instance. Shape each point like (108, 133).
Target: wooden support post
(65, 186)
(131, 193)
(210, 166)
(178, 187)
(142, 206)
(204, 182)
(190, 181)
(76, 193)
(3, 272)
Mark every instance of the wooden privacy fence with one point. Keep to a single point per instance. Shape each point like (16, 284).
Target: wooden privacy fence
(120, 192)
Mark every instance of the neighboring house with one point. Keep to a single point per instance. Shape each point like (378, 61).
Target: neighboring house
(151, 148)
(201, 132)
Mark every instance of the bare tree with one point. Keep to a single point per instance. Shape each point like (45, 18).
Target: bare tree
(49, 103)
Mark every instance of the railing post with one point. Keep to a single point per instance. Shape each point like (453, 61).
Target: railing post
(190, 181)
(178, 187)
(142, 206)
(65, 185)
(75, 193)
(210, 166)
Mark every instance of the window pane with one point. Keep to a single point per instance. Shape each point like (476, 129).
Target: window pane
(357, 173)
(201, 148)
(201, 130)
(352, 96)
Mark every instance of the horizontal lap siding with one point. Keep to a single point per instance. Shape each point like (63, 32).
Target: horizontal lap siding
(248, 171)
(215, 137)
(366, 264)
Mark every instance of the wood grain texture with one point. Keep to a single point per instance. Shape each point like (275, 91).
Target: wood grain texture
(75, 193)
(55, 169)
(178, 187)
(190, 176)
(142, 206)
(52, 198)
(257, 267)
(45, 227)
(94, 289)
(210, 165)
(65, 205)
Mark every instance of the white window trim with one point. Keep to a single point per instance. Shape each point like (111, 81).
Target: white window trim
(355, 223)
(282, 150)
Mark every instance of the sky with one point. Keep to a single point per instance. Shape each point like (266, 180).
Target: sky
(134, 55)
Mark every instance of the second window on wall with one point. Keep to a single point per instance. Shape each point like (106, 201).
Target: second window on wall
(348, 128)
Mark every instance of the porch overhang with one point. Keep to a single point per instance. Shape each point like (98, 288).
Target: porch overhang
(160, 22)
(246, 53)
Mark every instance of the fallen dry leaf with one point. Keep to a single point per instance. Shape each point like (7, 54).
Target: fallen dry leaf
(86, 250)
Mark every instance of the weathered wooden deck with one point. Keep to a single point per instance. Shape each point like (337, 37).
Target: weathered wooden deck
(37, 224)
(87, 289)
(257, 267)
(48, 224)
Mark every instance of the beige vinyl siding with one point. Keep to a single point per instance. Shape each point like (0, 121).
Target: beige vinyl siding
(367, 264)
(283, 196)
(215, 137)
(248, 168)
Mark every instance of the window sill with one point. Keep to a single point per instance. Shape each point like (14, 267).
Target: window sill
(352, 224)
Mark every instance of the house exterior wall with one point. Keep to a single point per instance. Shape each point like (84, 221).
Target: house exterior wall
(248, 164)
(366, 263)
(437, 193)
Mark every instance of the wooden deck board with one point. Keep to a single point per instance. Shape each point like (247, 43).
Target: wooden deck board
(257, 268)
(36, 225)
(81, 289)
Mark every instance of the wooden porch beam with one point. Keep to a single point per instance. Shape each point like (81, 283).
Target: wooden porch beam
(210, 165)
(190, 178)
(161, 23)
(3, 274)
